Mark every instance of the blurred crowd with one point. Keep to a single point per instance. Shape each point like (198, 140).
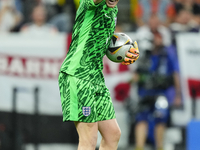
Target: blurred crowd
(37, 16)
(155, 23)
(58, 15)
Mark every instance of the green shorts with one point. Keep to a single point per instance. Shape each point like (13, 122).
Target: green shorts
(84, 101)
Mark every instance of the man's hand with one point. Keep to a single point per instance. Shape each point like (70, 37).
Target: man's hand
(132, 55)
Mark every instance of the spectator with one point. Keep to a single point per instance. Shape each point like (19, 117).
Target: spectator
(27, 7)
(190, 5)
(38, 26)
(185, 22)
(10, 18)
(63, 22)
(157, 81)
(186, 13)
(145, 33)
(64, 18)
(147, 7)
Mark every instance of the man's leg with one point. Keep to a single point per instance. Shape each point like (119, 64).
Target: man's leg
(87, 135)
(159, 134)
(141, 130)
(110, 133)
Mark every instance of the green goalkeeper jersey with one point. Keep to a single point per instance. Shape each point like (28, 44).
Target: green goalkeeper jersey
(92, 32)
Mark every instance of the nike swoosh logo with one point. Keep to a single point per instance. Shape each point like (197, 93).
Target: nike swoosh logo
(107, 16)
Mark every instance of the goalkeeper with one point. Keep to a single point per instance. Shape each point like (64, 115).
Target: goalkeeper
(85, 99)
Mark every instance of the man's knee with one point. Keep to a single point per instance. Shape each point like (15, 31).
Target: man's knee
(115, 135)
(118, 134)
(89, 142)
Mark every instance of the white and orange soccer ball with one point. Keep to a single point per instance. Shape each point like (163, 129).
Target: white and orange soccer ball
(119, 46)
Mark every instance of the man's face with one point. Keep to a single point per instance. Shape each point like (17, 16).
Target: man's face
(111, 3)
(39, 15)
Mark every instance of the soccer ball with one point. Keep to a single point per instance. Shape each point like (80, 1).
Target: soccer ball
(119, 46)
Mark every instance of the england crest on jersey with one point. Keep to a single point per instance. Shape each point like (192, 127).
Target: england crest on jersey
(86, 111)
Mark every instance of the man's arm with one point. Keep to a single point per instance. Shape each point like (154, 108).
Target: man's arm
(177, 98)
(97, 1)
